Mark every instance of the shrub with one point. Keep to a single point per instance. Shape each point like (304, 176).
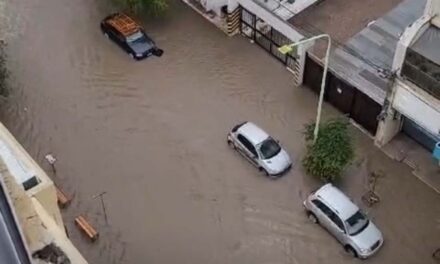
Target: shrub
(332, 151)
(153, 7)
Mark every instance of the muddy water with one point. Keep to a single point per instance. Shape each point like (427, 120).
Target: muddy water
(151, 135)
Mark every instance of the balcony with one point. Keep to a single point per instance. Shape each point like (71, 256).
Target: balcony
(422, 72)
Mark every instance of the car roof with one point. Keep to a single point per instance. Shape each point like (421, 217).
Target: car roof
(123, 23)
(337, 200)
(253, 133)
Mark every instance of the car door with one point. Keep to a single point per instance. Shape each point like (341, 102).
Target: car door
(247, 149)
(322, 213)
(337, 227)
(117, 37)
(111, 32)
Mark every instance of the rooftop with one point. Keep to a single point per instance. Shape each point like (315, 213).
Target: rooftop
(341, 19)
(253, 133)
(337, 200)
(428, 44)
(286, 9)
(362, 59)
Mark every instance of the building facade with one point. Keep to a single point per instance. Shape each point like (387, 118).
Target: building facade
(413, 105)
(264, 22)
(33, 201)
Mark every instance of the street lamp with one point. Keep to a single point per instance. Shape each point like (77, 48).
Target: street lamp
(289, 48)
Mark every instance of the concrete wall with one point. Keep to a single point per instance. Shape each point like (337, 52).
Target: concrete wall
(418, 105)
(409, 36)
(45, 190)
(270, 18)
(38, 226)
(407, 98)
(433, 10)
(214, 5)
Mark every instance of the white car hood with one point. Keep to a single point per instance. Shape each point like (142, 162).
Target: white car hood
(369, 236)
(279, 162)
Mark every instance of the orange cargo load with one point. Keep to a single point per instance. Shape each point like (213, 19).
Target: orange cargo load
(124, 24)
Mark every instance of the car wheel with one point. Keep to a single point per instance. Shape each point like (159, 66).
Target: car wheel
(350, 250)
(312, 217)
(106, 35)
(264, 171)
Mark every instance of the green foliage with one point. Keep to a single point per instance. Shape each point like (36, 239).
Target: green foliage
(332, 151)
(153, 7)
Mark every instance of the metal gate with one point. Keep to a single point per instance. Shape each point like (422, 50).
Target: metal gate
(343, 96)
(419, 134)
(266, 37)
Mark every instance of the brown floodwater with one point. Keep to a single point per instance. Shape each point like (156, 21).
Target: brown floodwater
(151, 134)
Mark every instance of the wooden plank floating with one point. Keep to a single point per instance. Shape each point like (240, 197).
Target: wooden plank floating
(63, 199)
(87, 229)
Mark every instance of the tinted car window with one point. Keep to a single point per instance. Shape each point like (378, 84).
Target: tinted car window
(111, 30)
(357, 223)
(324, 208)
(137, 37)
(269, 148)
(247, 144)
(337, 221)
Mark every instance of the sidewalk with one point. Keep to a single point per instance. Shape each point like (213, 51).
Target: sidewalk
(423, 165)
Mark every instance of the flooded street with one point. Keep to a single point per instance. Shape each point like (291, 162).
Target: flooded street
(152, 135)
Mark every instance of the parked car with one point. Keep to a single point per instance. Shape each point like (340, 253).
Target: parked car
(260, 149)
(129, 35)
(334, 211)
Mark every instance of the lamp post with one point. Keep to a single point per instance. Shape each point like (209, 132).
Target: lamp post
(289, 48)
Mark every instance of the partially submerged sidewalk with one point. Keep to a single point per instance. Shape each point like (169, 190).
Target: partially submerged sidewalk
(405, 150)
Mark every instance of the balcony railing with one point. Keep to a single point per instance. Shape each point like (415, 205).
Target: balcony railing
(422, 72)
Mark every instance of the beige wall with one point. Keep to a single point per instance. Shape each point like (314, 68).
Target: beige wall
(38, 226)
(37, 208)
(44, 192)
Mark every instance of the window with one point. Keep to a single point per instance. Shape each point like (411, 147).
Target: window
(330, 214)
(357, 223)
(324, 208)
(248, 145)
(335, 219)
(269, 148)
(423, 72)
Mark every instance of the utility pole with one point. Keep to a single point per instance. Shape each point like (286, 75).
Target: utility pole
(289, 48)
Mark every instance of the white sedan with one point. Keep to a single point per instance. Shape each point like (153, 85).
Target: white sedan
(260, 149)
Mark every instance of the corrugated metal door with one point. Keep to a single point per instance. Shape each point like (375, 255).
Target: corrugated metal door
(419, 134)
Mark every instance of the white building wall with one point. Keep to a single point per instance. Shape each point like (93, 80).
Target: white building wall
(409, 36)
(433, 10)
(214, 5)
(417, 105)
(271, 19)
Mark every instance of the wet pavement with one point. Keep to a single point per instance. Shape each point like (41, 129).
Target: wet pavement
(152, 135)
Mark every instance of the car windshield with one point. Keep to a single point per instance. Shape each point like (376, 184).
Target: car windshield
(356, 223)
(269, 148)
(137, 37)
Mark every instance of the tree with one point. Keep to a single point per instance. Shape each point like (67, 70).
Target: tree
(154, 7)
(332, 151)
